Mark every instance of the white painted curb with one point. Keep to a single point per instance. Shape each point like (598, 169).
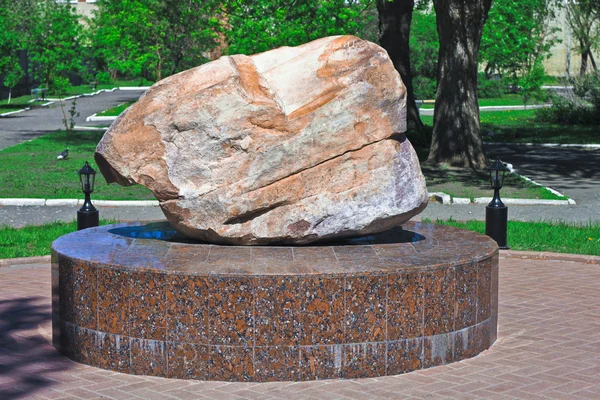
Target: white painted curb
(89, 128)
(134, 87)
(61, 202)
(583, 146)
(75, 202)
(461, 200)
(524, 202)
(95, 118)
(22, 202)
(124, 203)
(15, 112)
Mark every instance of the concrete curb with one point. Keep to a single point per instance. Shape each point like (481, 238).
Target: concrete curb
(526, 202)
(76, 202)
(546, 255)
(95, 118)
(583, 146)
(7, 262)
(88, 128)
(15, 112)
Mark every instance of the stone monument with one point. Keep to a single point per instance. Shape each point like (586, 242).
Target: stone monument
(300, 153)
(289, 146)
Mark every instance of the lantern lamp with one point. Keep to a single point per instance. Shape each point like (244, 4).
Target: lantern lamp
(88, 215)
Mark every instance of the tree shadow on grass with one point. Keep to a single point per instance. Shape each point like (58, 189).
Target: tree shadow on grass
(26, 357)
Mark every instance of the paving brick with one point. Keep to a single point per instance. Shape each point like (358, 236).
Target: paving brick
(548, 347)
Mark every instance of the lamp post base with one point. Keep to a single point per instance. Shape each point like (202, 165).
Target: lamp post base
(496, 220)
(87, 219)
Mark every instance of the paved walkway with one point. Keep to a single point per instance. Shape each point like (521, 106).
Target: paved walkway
(548, 348)
(39, 121)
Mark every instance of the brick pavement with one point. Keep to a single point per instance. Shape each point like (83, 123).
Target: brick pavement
(548, 348)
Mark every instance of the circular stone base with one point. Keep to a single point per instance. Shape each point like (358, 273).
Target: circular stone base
(138, 299)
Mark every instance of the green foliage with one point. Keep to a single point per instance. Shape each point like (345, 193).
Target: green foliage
(543, 236)
(581, 106)
(583, 17)
(54, 47)
(10, 42)
(517, 38)
(153, 37)
(424, 48)
(489, 88)
(262, 25)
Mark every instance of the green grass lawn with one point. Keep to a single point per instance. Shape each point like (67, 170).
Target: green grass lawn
(115, 111)
(533, 236)
(32, 241)
(521, 126)
(31, 169)
(506, 100)
(543, 236)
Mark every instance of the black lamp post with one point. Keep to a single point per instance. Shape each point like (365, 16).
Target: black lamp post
(496, 213)
(87, 216)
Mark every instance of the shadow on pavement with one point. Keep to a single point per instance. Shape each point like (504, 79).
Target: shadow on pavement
(26, 357)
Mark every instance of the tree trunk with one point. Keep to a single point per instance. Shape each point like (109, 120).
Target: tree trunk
(9, 94)
(583, 66)
(394, 29)
(456, 140)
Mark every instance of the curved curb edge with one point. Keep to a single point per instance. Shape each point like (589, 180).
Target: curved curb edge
(8, 262)
(547, 255)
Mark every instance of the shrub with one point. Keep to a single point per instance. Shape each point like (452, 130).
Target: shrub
(103, 77)
(581, 105)
(424, 88)
(490, 88)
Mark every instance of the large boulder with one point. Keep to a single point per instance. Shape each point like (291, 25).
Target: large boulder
(292, 145)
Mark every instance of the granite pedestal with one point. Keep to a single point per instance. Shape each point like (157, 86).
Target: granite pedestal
(140, 299)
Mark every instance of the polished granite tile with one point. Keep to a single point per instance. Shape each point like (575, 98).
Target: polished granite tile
(276, 363)
(466, 296)
(365, 309)
(274, 313)
(277, 312)
(188, 361)
(484, 290)
(147, 305)
(187, 309)
(231, 311)
(364, 360)
(111, 351)
(85, 300)
(405, 305)
(438, 350)
(404, 356)
(229, 363)
(113, 303)
(321, 362)
(321, 310)
(148, 357)
(438, 301)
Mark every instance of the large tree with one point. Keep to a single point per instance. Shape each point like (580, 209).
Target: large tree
(54, 46)
(154, 37)
(584, 20)
(394, 33)
(456, 140)
(260, 25)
